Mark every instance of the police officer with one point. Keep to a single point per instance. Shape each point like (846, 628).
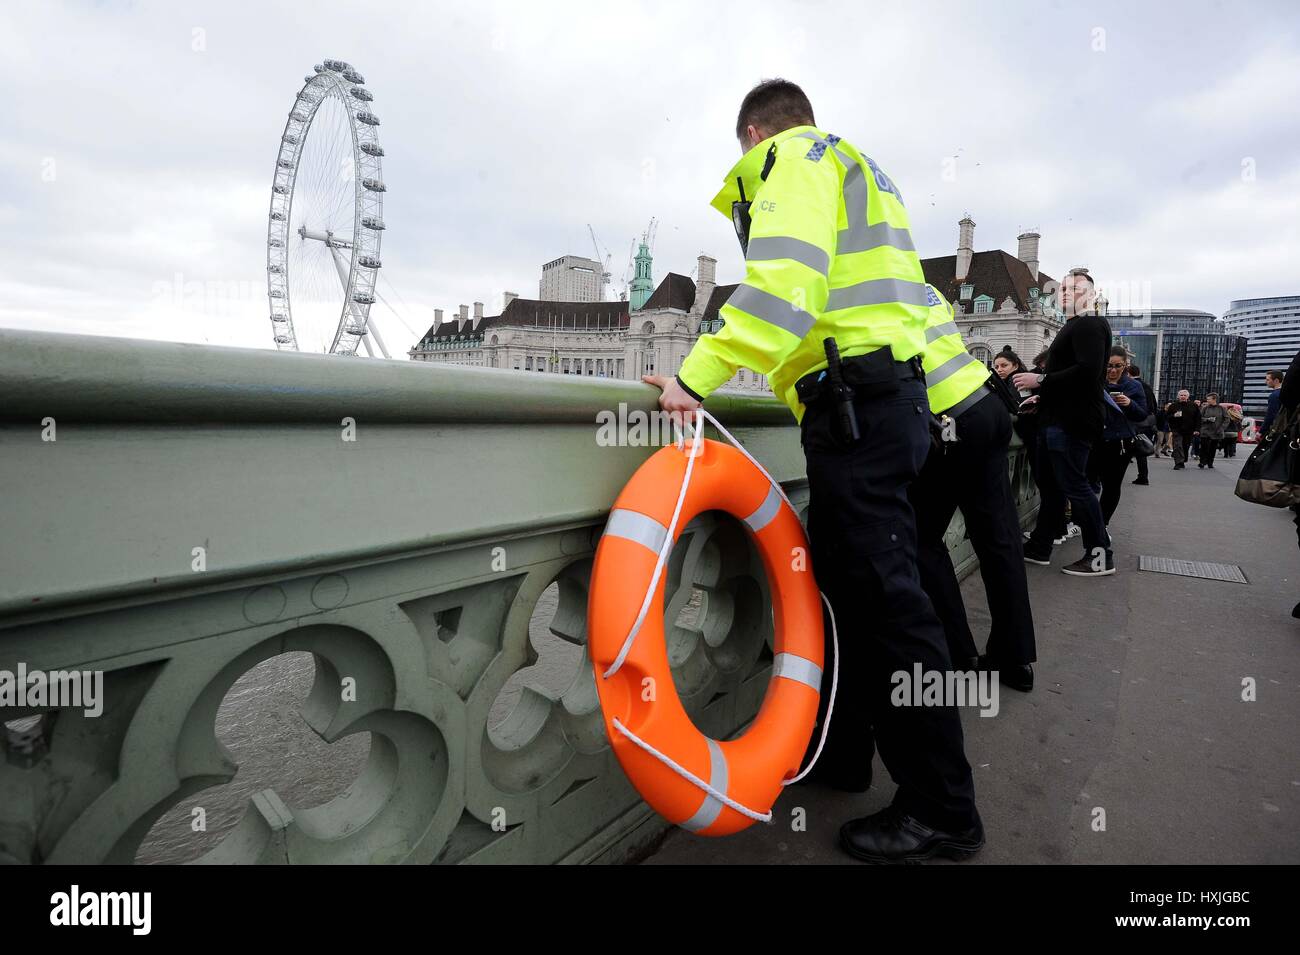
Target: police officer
(828, 255)
(968, 470)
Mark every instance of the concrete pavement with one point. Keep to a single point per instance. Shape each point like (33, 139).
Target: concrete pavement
(1137, 708)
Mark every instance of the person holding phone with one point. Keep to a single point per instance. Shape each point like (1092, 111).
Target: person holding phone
(1126, 409)
(1070, 404)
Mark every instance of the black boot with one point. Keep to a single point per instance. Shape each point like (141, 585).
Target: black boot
(1018, 676)
(892, 836)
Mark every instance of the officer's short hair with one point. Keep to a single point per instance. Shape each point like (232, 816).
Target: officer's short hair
(1084, 273)
(1277, 374)
(774, 105)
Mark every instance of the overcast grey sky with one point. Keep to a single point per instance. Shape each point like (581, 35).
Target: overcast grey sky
(1157, 144)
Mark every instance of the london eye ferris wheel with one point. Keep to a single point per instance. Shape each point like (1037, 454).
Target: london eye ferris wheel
(326, 218)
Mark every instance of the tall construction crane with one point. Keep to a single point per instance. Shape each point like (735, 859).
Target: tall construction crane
(604, 260)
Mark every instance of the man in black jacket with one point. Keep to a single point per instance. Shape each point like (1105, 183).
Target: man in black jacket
(1072, 411)
(1184, 421)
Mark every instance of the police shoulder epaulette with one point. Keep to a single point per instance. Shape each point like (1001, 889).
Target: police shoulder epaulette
(819, 147)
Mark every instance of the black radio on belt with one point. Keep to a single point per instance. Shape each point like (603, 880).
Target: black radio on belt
(841, 392)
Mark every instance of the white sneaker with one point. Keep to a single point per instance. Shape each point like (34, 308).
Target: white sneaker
(1072, 530)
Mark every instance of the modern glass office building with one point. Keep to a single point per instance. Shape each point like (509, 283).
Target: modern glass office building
(1272, 326)
(1183, 348)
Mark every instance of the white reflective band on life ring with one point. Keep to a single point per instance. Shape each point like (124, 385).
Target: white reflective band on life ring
(637, 528)
(797, 668)
(709, 810)
(766, 511)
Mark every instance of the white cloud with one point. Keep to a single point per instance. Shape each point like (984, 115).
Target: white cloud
(509, 127)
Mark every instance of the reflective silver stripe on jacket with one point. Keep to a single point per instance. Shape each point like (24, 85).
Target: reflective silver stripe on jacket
(936, 332)
(859, 236)
(949, 368)
(768, 247)
(771, 309)
(970, 401)
(863, 238)
(797, 668)
(636, 527)
(876, 292)
(708, 812)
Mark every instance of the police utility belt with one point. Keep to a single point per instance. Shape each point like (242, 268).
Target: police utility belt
(874, 374)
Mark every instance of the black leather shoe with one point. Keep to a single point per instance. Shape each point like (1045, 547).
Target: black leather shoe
(892, 836)
(1140, 481)
(1018, 676)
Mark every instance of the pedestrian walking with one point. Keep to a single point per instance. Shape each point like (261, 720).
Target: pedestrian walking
(1273, 381)
(1232, 433)
(1184, 419)
(1147, 426)
(1125, 410)
(1214, 421)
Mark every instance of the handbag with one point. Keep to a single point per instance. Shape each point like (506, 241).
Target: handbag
(1144, 446)
(1271, 475)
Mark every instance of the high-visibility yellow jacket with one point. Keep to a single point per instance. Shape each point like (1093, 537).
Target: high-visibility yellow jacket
(829, 255)
(952, 374)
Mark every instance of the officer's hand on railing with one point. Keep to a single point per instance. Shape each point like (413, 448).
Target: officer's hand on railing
(679, 405)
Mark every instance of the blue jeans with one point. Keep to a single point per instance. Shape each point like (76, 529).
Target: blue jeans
(1062, 476)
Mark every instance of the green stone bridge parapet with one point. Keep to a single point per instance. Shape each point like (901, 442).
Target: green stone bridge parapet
(176, 514)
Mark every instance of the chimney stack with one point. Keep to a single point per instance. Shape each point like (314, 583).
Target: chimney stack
(708, 267)
(706, 279)
(462, 316)
(507, 298)
(437, 318)
(1028, 251)
(965, 247)
(478, 312)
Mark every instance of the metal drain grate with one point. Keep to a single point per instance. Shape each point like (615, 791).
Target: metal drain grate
(1193, 568)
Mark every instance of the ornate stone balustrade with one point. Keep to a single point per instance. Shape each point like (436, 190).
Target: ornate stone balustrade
(176, 515)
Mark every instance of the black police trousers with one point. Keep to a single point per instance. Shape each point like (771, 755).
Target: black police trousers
(970, 473)
(863, 537)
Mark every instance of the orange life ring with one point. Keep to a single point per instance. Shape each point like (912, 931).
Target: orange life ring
(749, 769)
